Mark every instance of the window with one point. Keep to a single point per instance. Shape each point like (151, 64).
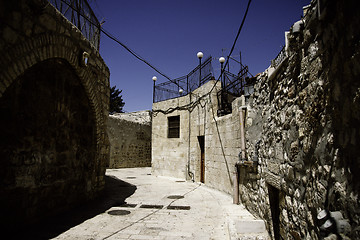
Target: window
(174, 127)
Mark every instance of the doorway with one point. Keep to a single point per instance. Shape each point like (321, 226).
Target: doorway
(201, 140)
(275, 210)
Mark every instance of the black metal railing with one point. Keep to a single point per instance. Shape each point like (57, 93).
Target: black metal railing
(233, 86)
(183, 85)
(79, 13)
(279, 58)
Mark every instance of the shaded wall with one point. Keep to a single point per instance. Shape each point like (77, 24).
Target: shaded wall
(54, 146)
(130, 139)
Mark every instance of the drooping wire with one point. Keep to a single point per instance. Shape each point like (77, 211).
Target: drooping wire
(122, 44)
(192, 105)
(236, 38)
(134, 54)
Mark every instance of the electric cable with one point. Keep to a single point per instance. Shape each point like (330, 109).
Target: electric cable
(121, 44)
(236, 38)
(185, 107)
(227, 62)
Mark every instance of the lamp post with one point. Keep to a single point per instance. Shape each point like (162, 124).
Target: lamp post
(200, 56)
(154, 78)
(222, 60)
(222, 99)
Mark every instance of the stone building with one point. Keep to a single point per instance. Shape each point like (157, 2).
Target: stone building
(54, 96)
(301, 131)
(130, 139)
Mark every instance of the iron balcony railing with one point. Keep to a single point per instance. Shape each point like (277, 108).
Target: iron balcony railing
(188, 83)
(279, 58)
(233, 86)
(79, 13)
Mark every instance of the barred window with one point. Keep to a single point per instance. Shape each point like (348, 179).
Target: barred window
(174, 127)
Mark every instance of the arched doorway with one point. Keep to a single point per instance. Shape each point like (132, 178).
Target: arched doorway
(47, 143)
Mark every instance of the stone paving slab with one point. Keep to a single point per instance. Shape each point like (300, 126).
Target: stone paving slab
(198, 212)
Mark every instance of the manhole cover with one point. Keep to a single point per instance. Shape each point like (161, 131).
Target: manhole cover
(175, 197)
(119, 212)
(131, 177)
(152, 206)
(179, 207)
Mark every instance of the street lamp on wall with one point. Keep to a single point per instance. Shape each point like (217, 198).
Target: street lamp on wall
(181, 91)
(154, 78)
(200, 56)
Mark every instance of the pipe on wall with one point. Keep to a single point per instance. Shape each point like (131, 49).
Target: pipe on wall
(190, 174)
(242, 156)
(242, 132)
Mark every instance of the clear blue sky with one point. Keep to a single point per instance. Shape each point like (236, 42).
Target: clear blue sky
(169, 33)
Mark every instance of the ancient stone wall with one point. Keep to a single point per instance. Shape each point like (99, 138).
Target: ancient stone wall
(53, 106)
(130, 139)
(306, 116)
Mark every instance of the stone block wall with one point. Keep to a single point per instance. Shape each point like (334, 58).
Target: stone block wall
(130, 139)
(181, 157)
(54, 146)
(170, 155)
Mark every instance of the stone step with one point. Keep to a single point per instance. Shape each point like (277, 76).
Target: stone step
(249, 229)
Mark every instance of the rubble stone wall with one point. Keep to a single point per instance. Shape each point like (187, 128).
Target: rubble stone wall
(54, 146)
(307, 116)
(130, 139)
(301, 130)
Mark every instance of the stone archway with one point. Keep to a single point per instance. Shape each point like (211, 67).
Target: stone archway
(55, 106)
(48, 142)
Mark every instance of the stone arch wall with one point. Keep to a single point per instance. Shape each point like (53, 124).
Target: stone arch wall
(24, 55)
(47, 142)
(33, 32)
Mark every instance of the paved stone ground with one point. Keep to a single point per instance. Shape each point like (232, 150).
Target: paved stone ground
(152, 207)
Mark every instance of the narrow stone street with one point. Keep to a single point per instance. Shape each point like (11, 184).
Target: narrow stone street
(166, 208)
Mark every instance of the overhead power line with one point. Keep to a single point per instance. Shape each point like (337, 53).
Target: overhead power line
(120, 43)
(133, 53)
(237, 36)
(192, 105)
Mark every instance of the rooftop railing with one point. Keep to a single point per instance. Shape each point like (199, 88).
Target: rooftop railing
(79, 13)
(233, 86)
(188, 83)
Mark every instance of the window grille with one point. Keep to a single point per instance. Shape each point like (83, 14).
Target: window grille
(174, 127)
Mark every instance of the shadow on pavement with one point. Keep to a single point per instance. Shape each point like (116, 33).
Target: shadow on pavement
(114, 194)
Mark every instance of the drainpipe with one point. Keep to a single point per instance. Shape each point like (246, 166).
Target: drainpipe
(242, 133)
(236, 185)
(190, 174)
(242, 157)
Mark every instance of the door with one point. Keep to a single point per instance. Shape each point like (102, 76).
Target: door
(201, 140)
(275, 210)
